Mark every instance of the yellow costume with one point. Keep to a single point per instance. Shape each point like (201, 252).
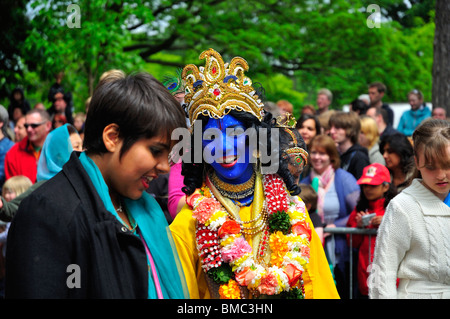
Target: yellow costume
(266, 249)
(318, 281)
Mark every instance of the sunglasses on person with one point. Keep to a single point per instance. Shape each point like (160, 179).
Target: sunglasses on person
(33, 125)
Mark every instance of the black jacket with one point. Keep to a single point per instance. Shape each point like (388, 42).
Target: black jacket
(390, 113)
(355, 159)
(62, 236)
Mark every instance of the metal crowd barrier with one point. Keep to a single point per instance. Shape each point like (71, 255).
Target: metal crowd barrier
(352, 231)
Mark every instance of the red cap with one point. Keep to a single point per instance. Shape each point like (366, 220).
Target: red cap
(375, 174)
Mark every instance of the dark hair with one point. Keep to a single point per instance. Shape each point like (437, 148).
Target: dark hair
(71, 129)
(380, 86)
(399, 144)
(305, 117)
(384, 114)
(309, 196)
(363, 202)
(349, 121)
(141, 107)
(359, 105)
(23, 104)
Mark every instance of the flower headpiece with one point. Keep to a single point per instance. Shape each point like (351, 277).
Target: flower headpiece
(217, 88)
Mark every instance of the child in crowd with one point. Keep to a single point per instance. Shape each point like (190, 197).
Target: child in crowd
(12, 188)
(376, 193)
(413, 239)
(310, 197)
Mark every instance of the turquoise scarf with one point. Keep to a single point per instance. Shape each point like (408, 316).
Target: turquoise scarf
(154, 229)
(55, 153)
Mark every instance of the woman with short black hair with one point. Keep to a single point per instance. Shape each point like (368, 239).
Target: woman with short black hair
(92, 231)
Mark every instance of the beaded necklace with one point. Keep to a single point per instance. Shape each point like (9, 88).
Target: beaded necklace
(233, 191)
(229, 259)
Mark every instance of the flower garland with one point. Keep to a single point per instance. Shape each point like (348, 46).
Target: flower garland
(228, 258)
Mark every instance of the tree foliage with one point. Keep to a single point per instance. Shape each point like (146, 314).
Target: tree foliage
(293, 47)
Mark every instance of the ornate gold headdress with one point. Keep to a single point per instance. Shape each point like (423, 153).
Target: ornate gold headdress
(217, 88)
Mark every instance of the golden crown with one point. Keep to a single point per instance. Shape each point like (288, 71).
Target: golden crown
(217, 88)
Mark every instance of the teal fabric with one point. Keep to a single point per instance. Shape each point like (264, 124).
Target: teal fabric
(154, 228)
(55, 153)
(411, 119)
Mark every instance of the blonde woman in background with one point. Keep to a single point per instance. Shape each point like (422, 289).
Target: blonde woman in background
(369, 138)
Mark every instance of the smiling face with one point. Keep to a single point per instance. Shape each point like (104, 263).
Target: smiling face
(308, 130)
(320, 160)
(37, 128)
(131, 174)
(230, 150)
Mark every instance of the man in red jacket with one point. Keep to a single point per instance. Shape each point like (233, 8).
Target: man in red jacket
(23, 157)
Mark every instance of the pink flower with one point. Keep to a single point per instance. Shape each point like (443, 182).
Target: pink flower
(268, 284)
(302, 228)
(305, 252)
(205, 209)
(293, 273)
(237, 250)
(245, 276)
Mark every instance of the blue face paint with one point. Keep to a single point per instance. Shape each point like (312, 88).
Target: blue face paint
(230, 150)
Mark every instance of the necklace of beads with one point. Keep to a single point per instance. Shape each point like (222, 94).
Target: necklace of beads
(233, 191)
(221, 243)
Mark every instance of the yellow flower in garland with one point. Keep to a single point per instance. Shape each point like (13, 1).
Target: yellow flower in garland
(278, 244)
(238, 262)
(295, 215)
(215, 217)
(206, 192)
(230, 290)
(230, 239)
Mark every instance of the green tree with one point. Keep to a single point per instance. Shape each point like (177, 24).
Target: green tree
(83, 41)
(13, 25)
(315, 43)
(293, 47)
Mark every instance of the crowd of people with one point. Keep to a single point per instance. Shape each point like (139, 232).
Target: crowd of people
(102, 191)
(358, 163)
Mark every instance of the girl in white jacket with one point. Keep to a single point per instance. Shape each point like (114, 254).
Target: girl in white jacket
(413, 242)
